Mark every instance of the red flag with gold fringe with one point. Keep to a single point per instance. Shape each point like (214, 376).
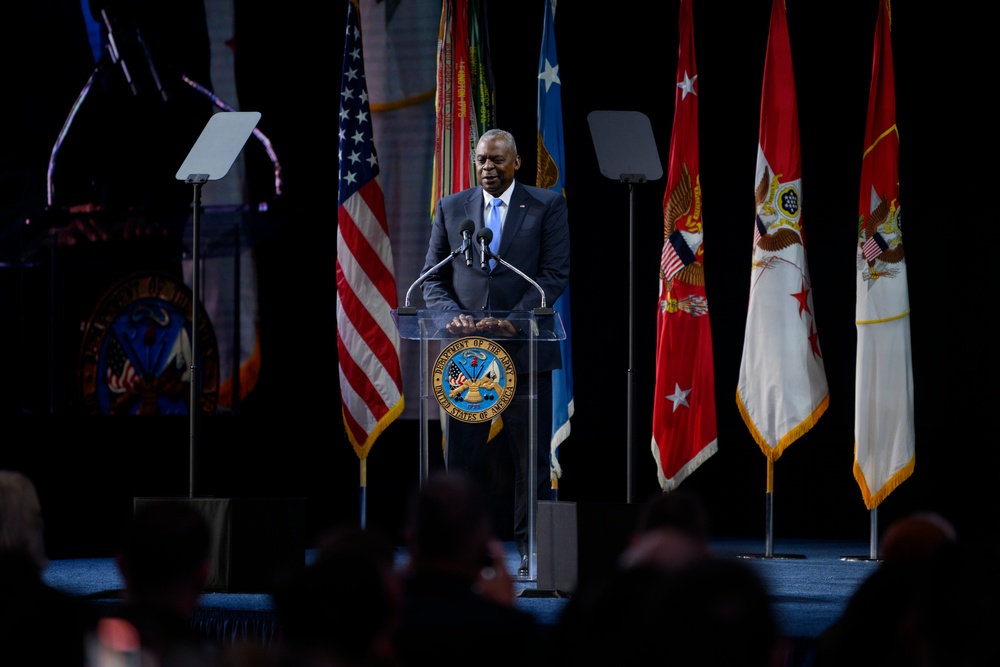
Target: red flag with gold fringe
(684, 424)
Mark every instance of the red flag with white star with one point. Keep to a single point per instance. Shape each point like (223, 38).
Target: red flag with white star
(684, 426)
(782, 389)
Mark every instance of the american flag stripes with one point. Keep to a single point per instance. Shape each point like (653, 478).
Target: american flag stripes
(456, 378)
(676, 255)
(874, 247)
(367, 338)
(121, 372)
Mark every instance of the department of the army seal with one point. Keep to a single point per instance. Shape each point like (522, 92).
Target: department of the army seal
(136, 352)
(474, 379)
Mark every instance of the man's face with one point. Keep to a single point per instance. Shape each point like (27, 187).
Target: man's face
(495, 165)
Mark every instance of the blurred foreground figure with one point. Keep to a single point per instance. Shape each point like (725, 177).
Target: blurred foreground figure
(39, 625)
(458, 597)
(164, 558)
(669, 595)
(930, 603)
(343, 608)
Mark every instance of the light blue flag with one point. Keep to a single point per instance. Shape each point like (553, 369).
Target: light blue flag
(550, 175)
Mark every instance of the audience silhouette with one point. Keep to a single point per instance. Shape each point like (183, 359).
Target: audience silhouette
(39, 625)
(930, 603)
(670, 596)
(458, 596)
(344, 607)
(164, 558)
(672, 530)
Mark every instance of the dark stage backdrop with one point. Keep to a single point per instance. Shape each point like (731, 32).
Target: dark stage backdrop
(287, 439)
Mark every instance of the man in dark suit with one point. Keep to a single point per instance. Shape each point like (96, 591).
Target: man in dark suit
(534, 237)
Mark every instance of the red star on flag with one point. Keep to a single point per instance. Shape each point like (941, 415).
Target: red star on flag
(814, 341)
(803, 296)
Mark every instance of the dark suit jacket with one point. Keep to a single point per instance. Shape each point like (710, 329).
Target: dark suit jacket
(535, 239)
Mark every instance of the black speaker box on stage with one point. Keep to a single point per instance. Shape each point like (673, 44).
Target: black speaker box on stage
(254, 540)
(580, 541)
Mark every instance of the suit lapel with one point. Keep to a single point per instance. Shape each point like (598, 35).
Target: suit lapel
(474, 208)
(516, 212)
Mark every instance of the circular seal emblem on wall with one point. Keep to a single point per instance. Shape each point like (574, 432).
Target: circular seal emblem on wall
(136, 353)
(474, 379)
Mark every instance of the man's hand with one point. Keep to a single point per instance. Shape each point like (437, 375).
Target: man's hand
(492, 325)
(462, 324)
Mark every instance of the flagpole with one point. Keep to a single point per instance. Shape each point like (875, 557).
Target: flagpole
(873, 537)
(769, 512)
(769, 520)
(631, 336)
(872, 540)
(363, 491)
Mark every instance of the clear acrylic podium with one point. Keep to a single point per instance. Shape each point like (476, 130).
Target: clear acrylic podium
(430, 328)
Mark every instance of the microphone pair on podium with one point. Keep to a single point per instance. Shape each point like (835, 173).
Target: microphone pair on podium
(483, 237)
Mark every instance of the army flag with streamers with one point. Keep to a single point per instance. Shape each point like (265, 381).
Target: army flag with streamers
(465, 104)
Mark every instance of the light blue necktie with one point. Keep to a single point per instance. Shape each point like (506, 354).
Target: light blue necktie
(493, 224)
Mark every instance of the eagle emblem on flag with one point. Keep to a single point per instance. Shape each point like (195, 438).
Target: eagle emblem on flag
(880, 239)
(776, 226)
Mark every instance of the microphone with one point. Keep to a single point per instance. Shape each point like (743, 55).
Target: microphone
(466, 228)
(485, 238)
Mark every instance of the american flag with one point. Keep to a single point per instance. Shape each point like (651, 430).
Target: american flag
(675, 256)
(874, 247)
(759, 230)
(121, 372)
(367, 339)
(456, 377)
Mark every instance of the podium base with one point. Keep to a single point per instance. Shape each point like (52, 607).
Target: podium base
(253, 539)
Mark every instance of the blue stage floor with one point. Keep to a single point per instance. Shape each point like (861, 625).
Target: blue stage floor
(810, 583)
